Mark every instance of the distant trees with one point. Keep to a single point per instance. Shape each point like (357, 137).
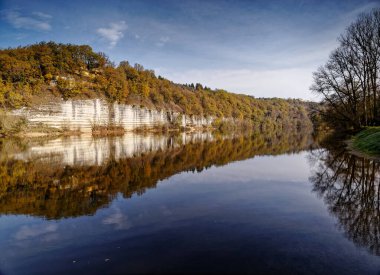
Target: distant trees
(72, 71)
(349, 82)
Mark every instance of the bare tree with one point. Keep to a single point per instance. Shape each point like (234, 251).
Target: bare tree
(349, 82)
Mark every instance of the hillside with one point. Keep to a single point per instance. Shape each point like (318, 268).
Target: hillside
(39, 72)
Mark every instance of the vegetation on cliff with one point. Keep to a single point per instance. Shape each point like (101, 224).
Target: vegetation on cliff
(37, 72)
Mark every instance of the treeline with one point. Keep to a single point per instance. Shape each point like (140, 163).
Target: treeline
(349, 82)
(41, 187)
(31, 73)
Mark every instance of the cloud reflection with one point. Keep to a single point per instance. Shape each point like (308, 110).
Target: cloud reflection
(118, 220)
(32, 231)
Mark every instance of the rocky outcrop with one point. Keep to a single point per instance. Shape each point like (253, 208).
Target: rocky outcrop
(84, 114)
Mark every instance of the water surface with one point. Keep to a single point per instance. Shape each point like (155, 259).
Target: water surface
(196, 202)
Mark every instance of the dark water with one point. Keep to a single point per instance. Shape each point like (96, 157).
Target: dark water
(190, 203)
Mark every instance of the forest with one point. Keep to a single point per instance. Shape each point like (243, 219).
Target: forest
(34, 73)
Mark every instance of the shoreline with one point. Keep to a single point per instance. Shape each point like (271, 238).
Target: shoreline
(357, 152)
(365, 143)
(52, 132)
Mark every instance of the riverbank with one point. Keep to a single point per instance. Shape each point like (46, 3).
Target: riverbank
(366, 142)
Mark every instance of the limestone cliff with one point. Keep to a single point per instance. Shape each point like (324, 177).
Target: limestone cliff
(84, 114)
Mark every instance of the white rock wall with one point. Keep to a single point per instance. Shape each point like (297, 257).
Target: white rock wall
(83, 114)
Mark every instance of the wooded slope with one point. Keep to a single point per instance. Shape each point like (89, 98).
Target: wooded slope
(31, 73)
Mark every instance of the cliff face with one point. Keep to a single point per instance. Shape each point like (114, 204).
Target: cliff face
(84, 114)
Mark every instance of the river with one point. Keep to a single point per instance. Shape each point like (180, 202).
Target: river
(189, 203)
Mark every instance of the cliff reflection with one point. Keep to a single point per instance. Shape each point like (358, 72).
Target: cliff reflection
(64, 183)
(349, 186)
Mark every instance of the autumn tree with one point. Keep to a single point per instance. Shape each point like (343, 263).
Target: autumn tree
(114, 84)
(76, 71)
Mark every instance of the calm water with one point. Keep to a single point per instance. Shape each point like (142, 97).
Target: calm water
(188, 203)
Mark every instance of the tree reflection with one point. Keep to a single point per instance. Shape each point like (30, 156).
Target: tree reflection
(350, 187)
(46, 188)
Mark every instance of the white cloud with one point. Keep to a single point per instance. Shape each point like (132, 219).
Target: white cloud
(42, 15)
(37, 21)
(113, 33)
(32, 231)
(162, 41)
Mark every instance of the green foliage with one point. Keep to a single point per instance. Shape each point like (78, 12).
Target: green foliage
(368, 141)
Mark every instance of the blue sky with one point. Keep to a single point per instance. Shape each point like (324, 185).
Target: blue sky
(261, 48)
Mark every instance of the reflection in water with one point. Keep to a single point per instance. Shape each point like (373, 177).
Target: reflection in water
(86, 150)
(36, 182)
(241, 217)
(350, 187)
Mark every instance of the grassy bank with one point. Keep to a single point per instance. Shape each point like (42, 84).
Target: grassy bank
(368, 141)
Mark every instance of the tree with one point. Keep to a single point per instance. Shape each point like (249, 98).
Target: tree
(115, 85)
(198, 87)
(349, 82)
